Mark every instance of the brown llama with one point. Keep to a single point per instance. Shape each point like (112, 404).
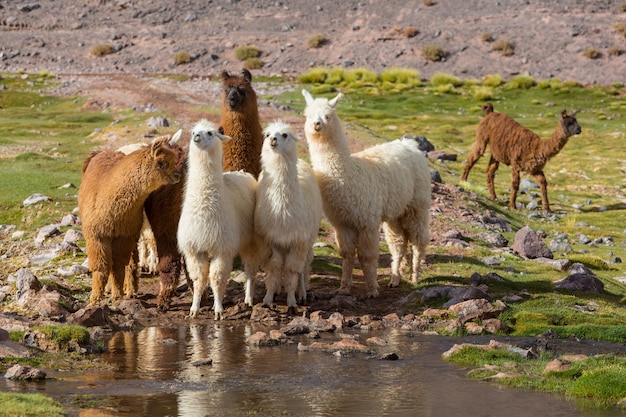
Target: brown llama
(111, 197)
(240, 120)
(522, 149)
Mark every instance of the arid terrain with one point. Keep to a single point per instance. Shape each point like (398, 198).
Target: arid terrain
(548, 37)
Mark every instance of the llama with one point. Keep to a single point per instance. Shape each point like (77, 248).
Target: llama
(240, 120)
(162, 211)
(522, 149)
(113, 189)
(216, 221)
(287, 215)
(387, 183)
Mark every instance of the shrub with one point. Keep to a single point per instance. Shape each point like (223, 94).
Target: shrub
(317, 41)
(620, 28)
(552, 83)
(409, 31)
(591, 53)
(521, 82)
(433, 53)
(335, 76)
(440, 78)
(506, 48)
(486, 37)
(253, 63)
(365, 75)
(314, 76)
(622, 7)
(483, 93)
(615, 51)
(492, 80)
(102, 49)
(401, 76)
(245, 52)
(428, 3)
(182, 57)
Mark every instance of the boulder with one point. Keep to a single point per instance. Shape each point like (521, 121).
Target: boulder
(24, 372)
(529, 245)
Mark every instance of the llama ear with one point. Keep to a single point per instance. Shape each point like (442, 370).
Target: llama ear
(247, 75)
(332, 103)
(574, 113)
(156, 146)
(176, 137)
(563, 113)
(307, 96)
(222, 137)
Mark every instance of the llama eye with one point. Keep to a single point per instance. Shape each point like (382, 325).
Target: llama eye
(285, 135)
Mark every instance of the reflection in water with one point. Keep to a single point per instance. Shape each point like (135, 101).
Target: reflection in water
(158, 374)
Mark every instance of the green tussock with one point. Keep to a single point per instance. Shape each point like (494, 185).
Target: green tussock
(29, 405)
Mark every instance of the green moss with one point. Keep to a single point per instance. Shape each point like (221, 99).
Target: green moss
(29, 405)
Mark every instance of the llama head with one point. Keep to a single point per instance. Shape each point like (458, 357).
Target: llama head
(237, 90)
(206, 137)
(165, 161)
(570, 124)
(320, 112)
(279, 139)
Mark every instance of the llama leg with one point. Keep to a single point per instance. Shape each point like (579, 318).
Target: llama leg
(169, 267)
(543, 183)
(295, 263)
(491, 175)
(368, 251)
(198, 272)
(303, 284)
(476, 153)
(273, 268)
(250, 268)
(218, 275)
(122, 250)
(347, 250)
(131, 276)
(291, 283)
(397, 246)
(514, 187)
(420, 238)
(99, 255)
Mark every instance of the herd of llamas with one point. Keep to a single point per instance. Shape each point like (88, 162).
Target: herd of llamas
(196, 203)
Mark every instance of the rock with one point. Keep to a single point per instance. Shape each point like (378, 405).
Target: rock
(476, 309)
(423, 143)
(23, 372)
(9, 348)
(203, 362)
(376, 341)
(494, 239)
(560, 264)
(473, 328)
(578, 268)
(91, 317)
(25, 281)
(261, 339)
(343, 346)
(453, 294)
(46, 232)
(529, 245)
(557, 365)
(35, 198)
(69, 220)
(158, 122)
(73, 236)
(442, 156)
(581, 282)
(336, 320)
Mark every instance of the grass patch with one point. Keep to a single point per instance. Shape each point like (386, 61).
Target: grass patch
(599, 380)
(245, 52)
(29, 405)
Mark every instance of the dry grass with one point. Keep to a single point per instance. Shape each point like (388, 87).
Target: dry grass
(506, 48)
(182, 57)
(102, 49)
(591, 53)
(316, 41)
(433, 53)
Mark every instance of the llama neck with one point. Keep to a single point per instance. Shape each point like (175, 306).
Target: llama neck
(204, 173)
(282, 175)
(553, 146)
(330, 153)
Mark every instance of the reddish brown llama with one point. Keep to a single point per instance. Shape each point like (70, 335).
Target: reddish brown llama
(240, 120)
(111, 196)
(522, 149)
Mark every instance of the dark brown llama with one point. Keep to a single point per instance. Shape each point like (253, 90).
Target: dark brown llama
(240, 120)
(514, 145)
